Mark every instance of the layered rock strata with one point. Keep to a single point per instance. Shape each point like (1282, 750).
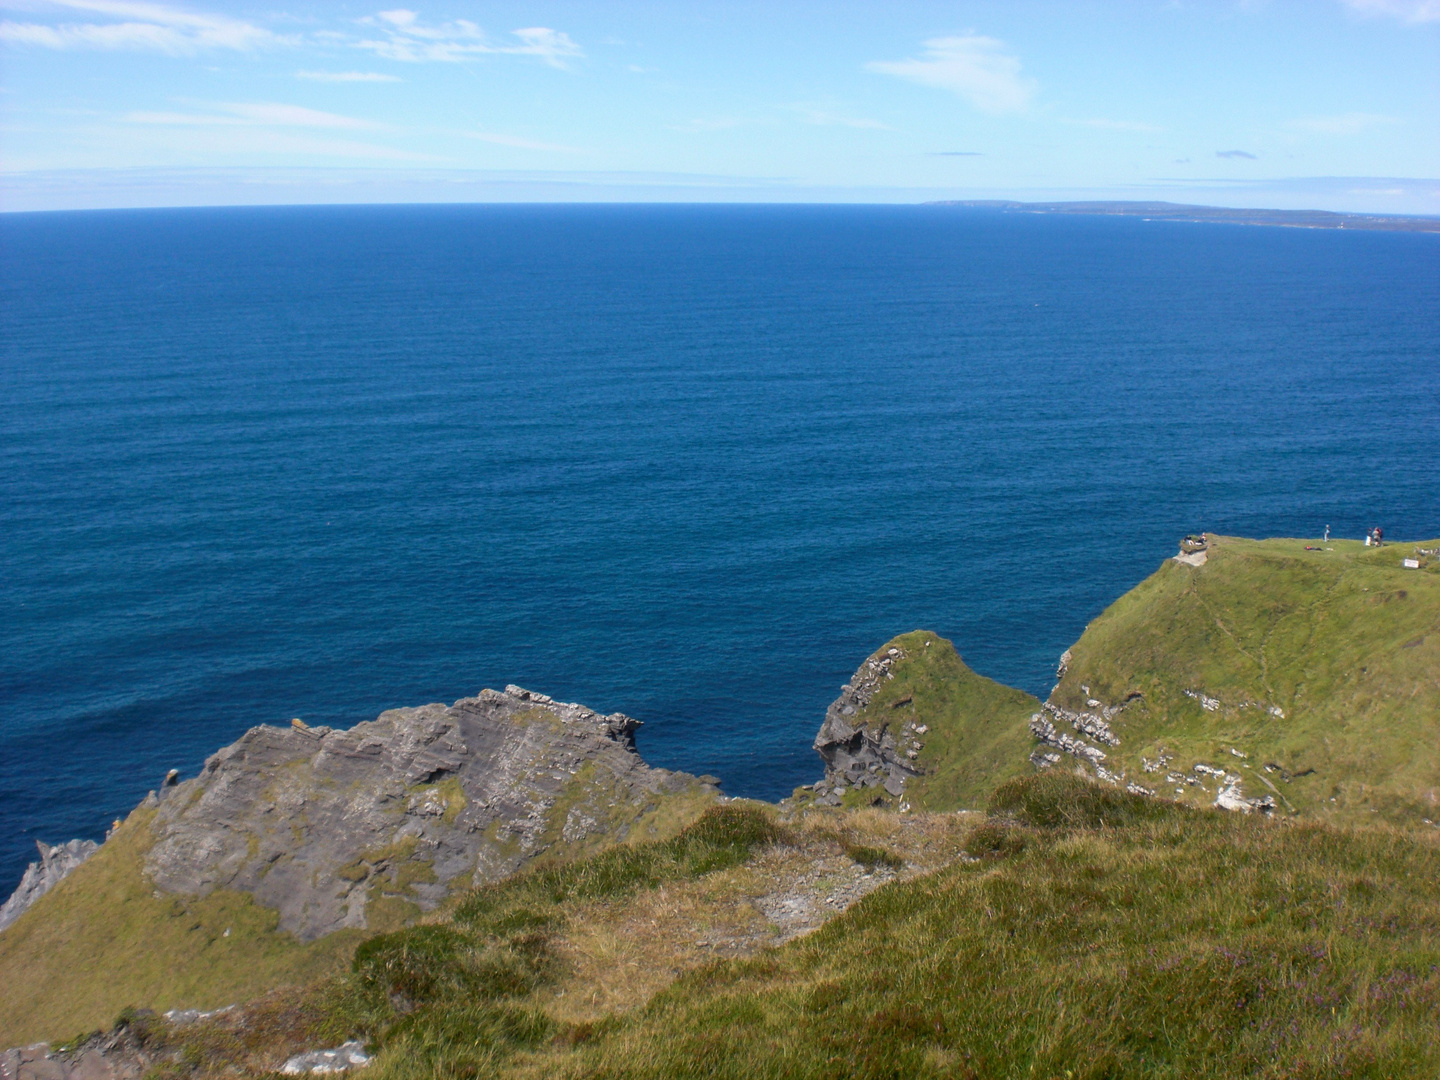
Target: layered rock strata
(331, 828)
(865, 755)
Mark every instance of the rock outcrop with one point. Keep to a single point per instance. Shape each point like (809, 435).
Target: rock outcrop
(56, 862)
(373, 825)
(114, 1055)
(860, 754)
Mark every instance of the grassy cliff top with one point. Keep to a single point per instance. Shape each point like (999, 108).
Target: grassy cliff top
(105, 938)
(968, 732)
(1323, 665)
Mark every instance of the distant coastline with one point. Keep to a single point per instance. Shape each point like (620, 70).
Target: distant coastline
(1163, 211)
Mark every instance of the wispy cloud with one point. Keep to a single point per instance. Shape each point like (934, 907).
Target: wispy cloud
(1350, 123)
(346, 76)
(1410, 11)
(253, 114)
(137, 25)
(975, 67)
(1233, 154)
(521, 143)
(408, 39)
(826, 118)
(955, 153)
(1115, 125)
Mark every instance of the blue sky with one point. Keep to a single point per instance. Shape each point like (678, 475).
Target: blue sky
(1331, 103)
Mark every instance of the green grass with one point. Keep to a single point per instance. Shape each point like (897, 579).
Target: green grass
(1128, 938)
(451, 998)
(978, 732)
(102, 940)
(1346, 642)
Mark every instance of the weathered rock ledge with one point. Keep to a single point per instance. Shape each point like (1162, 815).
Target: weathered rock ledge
(56, 862)
(372, 826)
(329, 826)
(857, 754)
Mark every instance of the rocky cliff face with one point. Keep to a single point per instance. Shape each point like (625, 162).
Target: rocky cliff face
(56, 862)
(860, 752)
(371, 826)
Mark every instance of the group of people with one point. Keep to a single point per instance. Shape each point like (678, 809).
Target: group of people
(1375, 538)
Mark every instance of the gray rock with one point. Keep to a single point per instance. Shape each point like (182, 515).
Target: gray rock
(350, 1055)
(863, 754)
(116, 1055)
(322, 825)
(40, 877)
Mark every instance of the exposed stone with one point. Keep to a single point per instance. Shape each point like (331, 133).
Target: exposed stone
(55, 864)
(350, 1055)
(114, 1055)
(1045, 732)
(1232, 798)
(851, 751)
(1086, 723)
(321, 824)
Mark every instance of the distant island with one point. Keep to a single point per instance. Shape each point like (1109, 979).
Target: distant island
(1164, 211)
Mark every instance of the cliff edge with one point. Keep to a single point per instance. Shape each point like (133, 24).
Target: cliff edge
(293, 843)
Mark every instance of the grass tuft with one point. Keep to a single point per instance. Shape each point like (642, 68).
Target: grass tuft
(1052, 800)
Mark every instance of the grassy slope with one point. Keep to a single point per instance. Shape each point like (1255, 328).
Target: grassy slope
(1345, 641)
(101, 940)
(1173, 944)
(978, 731)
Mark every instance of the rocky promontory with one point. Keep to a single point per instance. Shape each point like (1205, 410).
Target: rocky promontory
(294, 842)
(370, 825)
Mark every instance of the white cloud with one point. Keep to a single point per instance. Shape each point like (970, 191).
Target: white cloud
(1410, 11)
(139, 25)
(256, 114)
(408, 39)
(346, 76)
(975, 67)
(1350, 123)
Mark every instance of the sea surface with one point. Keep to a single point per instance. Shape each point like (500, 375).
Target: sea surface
(689, 463)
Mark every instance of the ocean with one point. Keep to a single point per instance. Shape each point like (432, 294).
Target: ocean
(691, 463)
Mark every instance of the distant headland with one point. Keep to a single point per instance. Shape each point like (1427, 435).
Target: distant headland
(1163, 211)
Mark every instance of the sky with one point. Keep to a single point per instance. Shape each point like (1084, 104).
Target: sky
(1331, 104)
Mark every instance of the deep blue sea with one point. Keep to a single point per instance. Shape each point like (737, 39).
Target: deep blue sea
(689, 463)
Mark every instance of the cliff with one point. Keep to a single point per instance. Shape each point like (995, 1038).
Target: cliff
(520, 883)
(916, 728)
(1280, 675)
(293, 843)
